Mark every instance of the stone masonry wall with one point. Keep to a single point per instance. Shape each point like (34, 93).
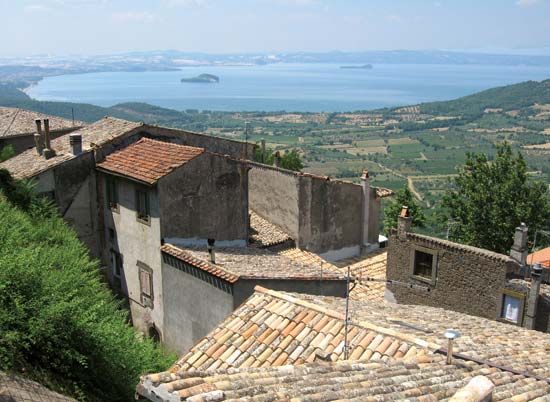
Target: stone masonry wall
(468, 280)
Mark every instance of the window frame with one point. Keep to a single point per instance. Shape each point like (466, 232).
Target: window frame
(111, 193)
(146, 300)
(146, 218)
(116, 258)
(516, 295)
(434, 253)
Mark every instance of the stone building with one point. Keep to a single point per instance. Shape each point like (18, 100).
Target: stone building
(18, 127)
(290, 346)
(435, 272)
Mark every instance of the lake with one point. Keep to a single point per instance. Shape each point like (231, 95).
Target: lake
(290, 87)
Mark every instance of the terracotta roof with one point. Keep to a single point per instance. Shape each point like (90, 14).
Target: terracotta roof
(493, 341)
(148, 160)
(16, 122)
(422, 379)
(274, 328)
(28, 164)
(369, 271)
(15, 388)
(264, 233)
(542, 256)
(249, 262)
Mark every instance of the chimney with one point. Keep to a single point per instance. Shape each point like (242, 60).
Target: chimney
(38, 140)
(519, 248)
(365, 210)
(533, 296)
(48, 151)
(479, 389)
(211, 250)
(262, 148)
(75, 140)
(451, 335)
(404, 222)
(277, 159)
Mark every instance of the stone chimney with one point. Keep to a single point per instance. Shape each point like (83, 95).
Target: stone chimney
(365, 210)
(48, 151)
(533, 296)
(519, 248)
(75, 141)
(404, 222)
(38, 140)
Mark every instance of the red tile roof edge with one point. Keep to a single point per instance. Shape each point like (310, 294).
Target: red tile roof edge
(200, 264)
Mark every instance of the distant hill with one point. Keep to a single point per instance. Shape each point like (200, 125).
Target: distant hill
(510, 97)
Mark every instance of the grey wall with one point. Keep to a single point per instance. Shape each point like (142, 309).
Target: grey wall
(274, 195)
(206, 198)
(135, 241)
(193, 308)
(468, 282)
(323, 216)
(244, 288)
(235, 149)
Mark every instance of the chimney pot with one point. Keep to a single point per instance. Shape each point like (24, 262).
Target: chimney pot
(75, 141)
(38, 140)
(451, 335)
(48, 151)
(404, 222)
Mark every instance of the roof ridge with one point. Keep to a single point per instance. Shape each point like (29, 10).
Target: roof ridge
(167, 142)
(339, 316)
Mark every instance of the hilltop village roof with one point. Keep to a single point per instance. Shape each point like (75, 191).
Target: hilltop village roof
(395, 352)
(233, 264)
(541, 256)
(148, 160)
(28, 164)
(14, 388)
(15, 122)
(265, 234)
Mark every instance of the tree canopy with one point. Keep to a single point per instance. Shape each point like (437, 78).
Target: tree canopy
(403, 197)
(490, 198)
(58, 321)
(289, 160)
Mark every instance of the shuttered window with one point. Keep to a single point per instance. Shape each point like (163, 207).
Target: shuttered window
(142, 205)
(145, 284)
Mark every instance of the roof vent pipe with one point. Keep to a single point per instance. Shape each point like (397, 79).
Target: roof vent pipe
(48, 151)
(38, 140)
(451, 335)
(211, 250)
(75, 140)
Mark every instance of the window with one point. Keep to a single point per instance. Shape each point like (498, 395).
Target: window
(423, 264)
(111, 235)
(145, 284)
(512, 307)
(116, 264)
(142, 205)
(112, 193)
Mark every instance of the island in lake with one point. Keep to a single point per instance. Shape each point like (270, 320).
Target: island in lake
(203, 78)
(363, 67)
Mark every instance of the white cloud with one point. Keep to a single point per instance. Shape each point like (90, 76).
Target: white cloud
(135, 17)
(527, 3)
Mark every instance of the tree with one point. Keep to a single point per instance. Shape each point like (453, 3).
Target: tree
(7, 152)
(489, 199)
(403, 197)
(292, 161)
(58, 321)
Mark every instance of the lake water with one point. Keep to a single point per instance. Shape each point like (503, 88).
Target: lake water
(290, 87)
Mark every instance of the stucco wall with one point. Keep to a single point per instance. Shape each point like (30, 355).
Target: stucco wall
(235, 149)
(206, 198)
(467, 282)
(275, 196)
(193, 308)
(135, 241)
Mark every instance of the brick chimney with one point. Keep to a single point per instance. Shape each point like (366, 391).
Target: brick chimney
(533, 296)
(38, 139)
(519, 248)
(48, 151)
(404, 222)
(75, 141)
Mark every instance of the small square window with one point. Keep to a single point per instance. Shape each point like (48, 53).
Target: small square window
(423, 264)
(142, 205)
(116, 264)
(511, 309)
(112, 193)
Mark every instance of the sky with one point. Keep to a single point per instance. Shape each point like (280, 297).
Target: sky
(64, 27)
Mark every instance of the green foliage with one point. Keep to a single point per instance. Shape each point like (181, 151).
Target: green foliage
(490, 198)
(402, 198)
(292, 161)
(7, 152)
(58, 321)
